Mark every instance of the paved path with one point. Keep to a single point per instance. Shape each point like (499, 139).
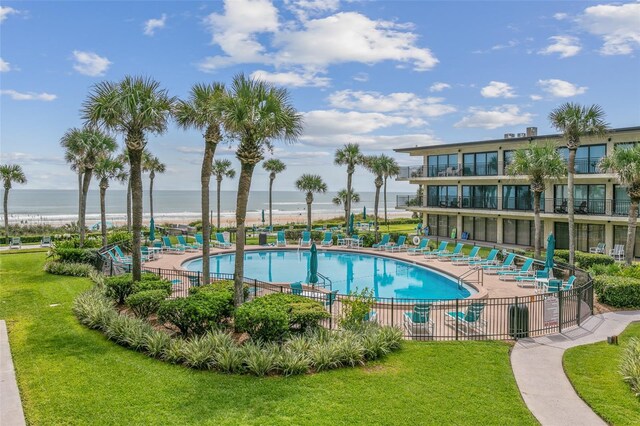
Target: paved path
(10, 406)
(537, 366)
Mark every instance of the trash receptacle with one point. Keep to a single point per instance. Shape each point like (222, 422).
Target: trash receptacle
(262, 239)
(518, 321)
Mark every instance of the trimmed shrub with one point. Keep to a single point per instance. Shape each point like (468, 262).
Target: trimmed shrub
(585, 260)
(119, 287)
(197, 313)
(632, 271)
(145, 303)
(68, 268)
(616, 291)
(226, 285)
(630, 366)
(74, 255)
(155, 283)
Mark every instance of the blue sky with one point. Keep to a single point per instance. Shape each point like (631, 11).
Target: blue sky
(384, 74)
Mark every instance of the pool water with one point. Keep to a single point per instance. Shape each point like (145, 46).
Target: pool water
(347, 272)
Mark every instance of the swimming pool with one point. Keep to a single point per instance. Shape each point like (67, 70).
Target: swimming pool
(347, 271)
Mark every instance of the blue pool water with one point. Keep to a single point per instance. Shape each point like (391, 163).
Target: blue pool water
(347, 272)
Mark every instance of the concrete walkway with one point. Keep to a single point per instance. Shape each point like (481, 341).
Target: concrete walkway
(11, 413)
(537, 366)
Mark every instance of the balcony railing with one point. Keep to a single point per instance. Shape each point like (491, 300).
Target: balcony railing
(585, 166)
(620, 207)
(407, 201)
(589, 206)
(520, 204)
(411, 172)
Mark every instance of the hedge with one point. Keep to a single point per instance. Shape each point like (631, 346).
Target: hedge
(75, 255)
(585, 260)
(617, 291)
(197, 313)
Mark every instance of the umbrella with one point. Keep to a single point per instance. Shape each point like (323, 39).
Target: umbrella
(551, 246)
(313, 264)
(152, 230)
(364, 213)
(350, 231)
(262, 215)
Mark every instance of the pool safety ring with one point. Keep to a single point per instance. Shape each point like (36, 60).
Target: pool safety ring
(416, 240)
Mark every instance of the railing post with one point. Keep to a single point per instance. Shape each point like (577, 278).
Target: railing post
(579, 302)
(560, 311)
(199, 278)
(516, 324)
(392, 312)
(255, 288)
(457, 317)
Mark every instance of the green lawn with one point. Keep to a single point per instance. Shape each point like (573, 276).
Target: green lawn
(593, 370)
(68, 374)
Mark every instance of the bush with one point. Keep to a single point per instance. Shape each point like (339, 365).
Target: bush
(152, 283)
(73, 242)
(123, 238)
(261, 360)
(93, 309)
(632, 271)
(630, 366)
(616, 291)
(226, 285)
(356, 307)
(145, 303)
(585, 260)
(75, 255)
(68, 268)
(197, 313)
(119, 287)
(273, 316)
(613, 269)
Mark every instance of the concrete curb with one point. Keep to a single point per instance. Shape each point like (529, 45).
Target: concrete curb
(537, 367)
(11, 413)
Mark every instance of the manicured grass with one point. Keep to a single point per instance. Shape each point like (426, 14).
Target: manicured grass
(68, 374)
(594, 373)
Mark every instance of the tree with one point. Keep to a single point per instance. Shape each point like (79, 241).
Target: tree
(202, 111)
(539, 163)
(73, 156)
(10, 173)
(135, 107)
(273, 166)
(341, 198)
(255, 113)
(86, 147)
(221, 169)
(349, 155)
(391, 170)
(310, 184)
(153, 165)
(626, 164)
(378, 166)
(106, 169)
(575, 121)
(125, 180)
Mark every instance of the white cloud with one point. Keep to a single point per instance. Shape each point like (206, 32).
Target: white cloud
(560, 16)
(28, 96)
(401, 103)
(4, 65)
(560, 88)
(618, 25)
(5, 11)
(505, 115)
(305, 8)
(498, 89)
(566, 46)
(24, 158)
(535, 97)
(151, 25)
(439, 87)
(89, 63)
(361, 77)
(294, 79)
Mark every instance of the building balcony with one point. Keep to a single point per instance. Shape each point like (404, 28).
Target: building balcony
(403, 201)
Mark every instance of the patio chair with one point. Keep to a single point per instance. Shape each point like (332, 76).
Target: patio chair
(296, 288)
(112, 257)
(170, 248)
(489, 260)
(15, 243)
(371, 316)
(582, 209)
(617, 252)
(469, 322)
(553, 286)
(398, 246)
(534, 279)
(442, 248)
(194, 280)
(341, 240)
(384, 241)
(187, 246)
(358, 241)
(598, 249)
(420, 248)
(145, 254)
(568, 285)
(281, 241)
(464, 260)
(328, 239)
(505, 266)
(220, 242)
(199, 242)
(45, 242)
(417, 322)
(446, 256)
(305, 240)
(562, 208)
(120, 255)
(525, 270)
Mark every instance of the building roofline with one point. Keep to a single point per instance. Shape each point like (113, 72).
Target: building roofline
(523, 139)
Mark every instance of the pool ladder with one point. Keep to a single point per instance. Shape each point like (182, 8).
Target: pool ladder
(479, 279)
(325, 282)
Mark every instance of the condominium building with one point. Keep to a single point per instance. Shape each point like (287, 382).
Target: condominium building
(464, 186)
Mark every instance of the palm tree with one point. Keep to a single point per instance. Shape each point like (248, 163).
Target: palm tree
(391, 170)
(626, 164)
(87, 146)
(349, 155)
(539, 163)
(341, 198)
(575, 121)
(255, 113)
(153, 165)
(10, 173)
(273, 166)
(135, 107)
(73, 156)
(221, 169)
(202, 111)
(106, 169)
(310, 184)
(125, 180)
(378, 166)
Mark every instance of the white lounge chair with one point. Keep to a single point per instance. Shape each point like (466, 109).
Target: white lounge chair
(617, 252)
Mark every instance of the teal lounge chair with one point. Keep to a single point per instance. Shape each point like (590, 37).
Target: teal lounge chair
(464, 260)
(539, 274)
(15, 243)
(371, 316)
(113, 257)
(45, 242)
(506, 265)
(446, 256)
(187, 246)
(120, 255)
(198, 241)
(383, 242)
(469, 322)
(553, 286)
(281, 241)
(417, 322)
(170, 248)
(525, 270)
(330, 298)
(398, 246)
(489, 260)
(420, 248)
(220, 241)
(305, 241)
(328, 239)
(442, 248)
(568, 285)
(296, 288)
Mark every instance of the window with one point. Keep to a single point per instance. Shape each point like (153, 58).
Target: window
(508, 158)
(480, 196)
(621, 200)
(625, 145)
(587, 158)
(519, 197)
(518, 232)
(587, 235)
(442, 196)
(588, 199)
(441, 225)
(481, 228)
(480, 164)
(620, 237)
(443, 165)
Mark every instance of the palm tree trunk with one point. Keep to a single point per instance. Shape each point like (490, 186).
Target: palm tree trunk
(348, 201)
(270, 208)
(537, 225)
(135, 161)
(385, 201)
(631, 232)
(6, 213)
(244, 185)
(570, 206)
(83, 204)
(103, 212)
(79, 197)
(129, 202)
(205, 179)
(151, 177)
(309, 215)
(218, 201)
(375, 213)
